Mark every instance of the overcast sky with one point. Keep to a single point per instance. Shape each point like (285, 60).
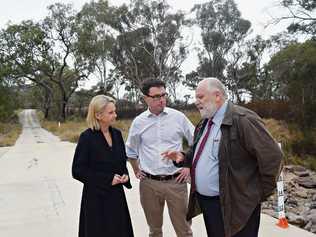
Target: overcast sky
(258, 12)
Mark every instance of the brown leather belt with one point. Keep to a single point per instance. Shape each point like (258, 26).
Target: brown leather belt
(161, 177)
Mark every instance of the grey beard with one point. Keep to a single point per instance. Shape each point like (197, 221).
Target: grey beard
(209, 112)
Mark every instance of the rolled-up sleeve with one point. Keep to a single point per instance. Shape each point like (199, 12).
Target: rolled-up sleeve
(132, 142)
(188, 130)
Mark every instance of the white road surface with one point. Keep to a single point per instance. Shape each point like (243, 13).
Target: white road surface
(39, 198)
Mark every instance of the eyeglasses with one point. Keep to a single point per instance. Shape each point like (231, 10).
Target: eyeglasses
(158, 97)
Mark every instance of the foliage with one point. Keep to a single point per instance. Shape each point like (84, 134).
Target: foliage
(96, 33)
(283, 132)
(8, 102)
(252, 76)
(277, 109)
(66, 67)
(302, 16)
(47, 60)
(222, 30)
(294, 69)
(150, 44)
(24, 52)
(8, 94)
(45, 55)
(9, 133)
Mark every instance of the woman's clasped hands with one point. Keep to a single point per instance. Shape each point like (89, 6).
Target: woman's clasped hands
(119, 179)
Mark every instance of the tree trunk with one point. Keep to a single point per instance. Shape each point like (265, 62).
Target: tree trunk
(63, 103)
(46, 112)
(62, 115)
(47, 103)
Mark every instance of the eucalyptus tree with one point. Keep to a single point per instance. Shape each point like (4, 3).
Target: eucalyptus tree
(294, 68)
(233, 79)
(66, 66)
(47, 54)
(150, 43)
(96, 31)
(222, 31)
(24, 50)
(302, 16)
(8, 99)
(252, 75)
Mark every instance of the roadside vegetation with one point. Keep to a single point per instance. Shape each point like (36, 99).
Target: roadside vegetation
(70, 130)
(294, 142)
(43, 65)
(10, 131)
(289, 135)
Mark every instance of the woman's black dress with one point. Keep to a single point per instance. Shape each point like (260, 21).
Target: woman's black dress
(104, 211)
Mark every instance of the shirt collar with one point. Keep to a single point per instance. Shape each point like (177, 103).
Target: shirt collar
(148, 113)
(220, 113)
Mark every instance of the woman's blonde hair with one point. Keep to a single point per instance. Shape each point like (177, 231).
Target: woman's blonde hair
(97, 105)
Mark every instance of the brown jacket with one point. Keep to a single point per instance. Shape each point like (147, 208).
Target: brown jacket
(249, 165)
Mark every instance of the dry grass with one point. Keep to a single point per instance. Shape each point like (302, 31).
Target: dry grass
(123, 125)
(280, 130)
(70, 130)
(289, 135)
(9, 133)
(194, 116)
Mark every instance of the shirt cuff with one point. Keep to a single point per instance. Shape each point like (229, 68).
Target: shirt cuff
(131, 153)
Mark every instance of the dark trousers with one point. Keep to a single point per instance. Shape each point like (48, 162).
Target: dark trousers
(213, 219)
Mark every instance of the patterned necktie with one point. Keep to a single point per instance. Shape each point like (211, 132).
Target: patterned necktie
(198, 154)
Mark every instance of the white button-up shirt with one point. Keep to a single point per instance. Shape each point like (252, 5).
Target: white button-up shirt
(150, 135)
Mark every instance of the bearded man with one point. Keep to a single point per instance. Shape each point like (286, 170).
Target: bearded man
(234, 164)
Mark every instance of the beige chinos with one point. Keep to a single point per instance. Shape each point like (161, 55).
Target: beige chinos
(154, 194)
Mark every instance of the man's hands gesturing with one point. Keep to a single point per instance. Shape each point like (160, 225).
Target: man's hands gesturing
(176, 156)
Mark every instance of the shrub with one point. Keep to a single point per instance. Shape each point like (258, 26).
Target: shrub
(276, 109)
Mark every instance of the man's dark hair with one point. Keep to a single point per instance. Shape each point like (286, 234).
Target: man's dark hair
(151, 83)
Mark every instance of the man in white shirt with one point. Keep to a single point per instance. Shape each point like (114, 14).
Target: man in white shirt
(154, 131)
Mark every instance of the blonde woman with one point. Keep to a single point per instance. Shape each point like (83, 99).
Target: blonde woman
(100, 164)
